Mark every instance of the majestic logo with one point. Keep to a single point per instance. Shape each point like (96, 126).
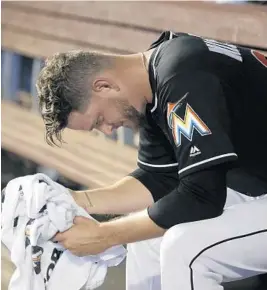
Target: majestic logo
(187, 125)
(194, 151)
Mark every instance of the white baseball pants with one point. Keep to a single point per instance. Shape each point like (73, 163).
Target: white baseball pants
(202, 255)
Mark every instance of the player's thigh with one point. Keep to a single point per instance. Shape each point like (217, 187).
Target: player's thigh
(234, 197)
(238, 236)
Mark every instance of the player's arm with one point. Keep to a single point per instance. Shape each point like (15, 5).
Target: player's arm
(125, 196)
(199, 196)
(201, 192)
(132, 193)
(155, 177)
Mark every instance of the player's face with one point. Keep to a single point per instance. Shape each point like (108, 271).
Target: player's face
(106, 115)
(108, 108)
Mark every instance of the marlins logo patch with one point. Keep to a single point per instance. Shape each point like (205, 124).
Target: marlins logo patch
(187, 125)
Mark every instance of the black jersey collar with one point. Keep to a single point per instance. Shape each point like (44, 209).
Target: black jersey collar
(153, 79)
(166, 35)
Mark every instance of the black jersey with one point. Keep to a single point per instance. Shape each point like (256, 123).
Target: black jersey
(209, 107)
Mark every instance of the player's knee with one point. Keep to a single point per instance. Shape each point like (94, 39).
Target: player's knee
(179, 244)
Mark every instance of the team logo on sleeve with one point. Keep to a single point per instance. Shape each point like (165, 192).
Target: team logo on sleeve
(187, 125)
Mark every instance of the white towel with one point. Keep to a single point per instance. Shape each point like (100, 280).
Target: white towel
(34, 209)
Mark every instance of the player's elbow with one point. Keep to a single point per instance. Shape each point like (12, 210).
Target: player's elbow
(208, 187)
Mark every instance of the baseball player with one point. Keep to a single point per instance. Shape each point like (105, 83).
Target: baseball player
(198, 199)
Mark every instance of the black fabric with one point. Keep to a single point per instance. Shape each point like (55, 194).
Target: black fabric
(226, 86)
(155, 150)
(199, 196)
(166, 35)
(208, 111)
(198, 124)
(159, 184)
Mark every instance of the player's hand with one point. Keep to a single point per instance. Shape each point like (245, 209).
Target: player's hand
(84, 238)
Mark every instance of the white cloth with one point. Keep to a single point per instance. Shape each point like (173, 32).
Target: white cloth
(35, 208)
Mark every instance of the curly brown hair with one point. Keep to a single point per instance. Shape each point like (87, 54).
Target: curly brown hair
(64, 85)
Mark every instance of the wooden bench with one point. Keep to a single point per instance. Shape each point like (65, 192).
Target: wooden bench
(84, 159)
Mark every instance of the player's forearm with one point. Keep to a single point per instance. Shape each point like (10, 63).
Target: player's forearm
(198, 197)
(129, 229)
(127, 195)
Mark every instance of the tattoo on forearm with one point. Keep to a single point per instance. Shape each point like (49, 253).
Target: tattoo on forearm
(89, 200)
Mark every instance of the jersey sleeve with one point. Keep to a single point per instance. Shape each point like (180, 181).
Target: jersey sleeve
(198, 122)
(155, 153)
